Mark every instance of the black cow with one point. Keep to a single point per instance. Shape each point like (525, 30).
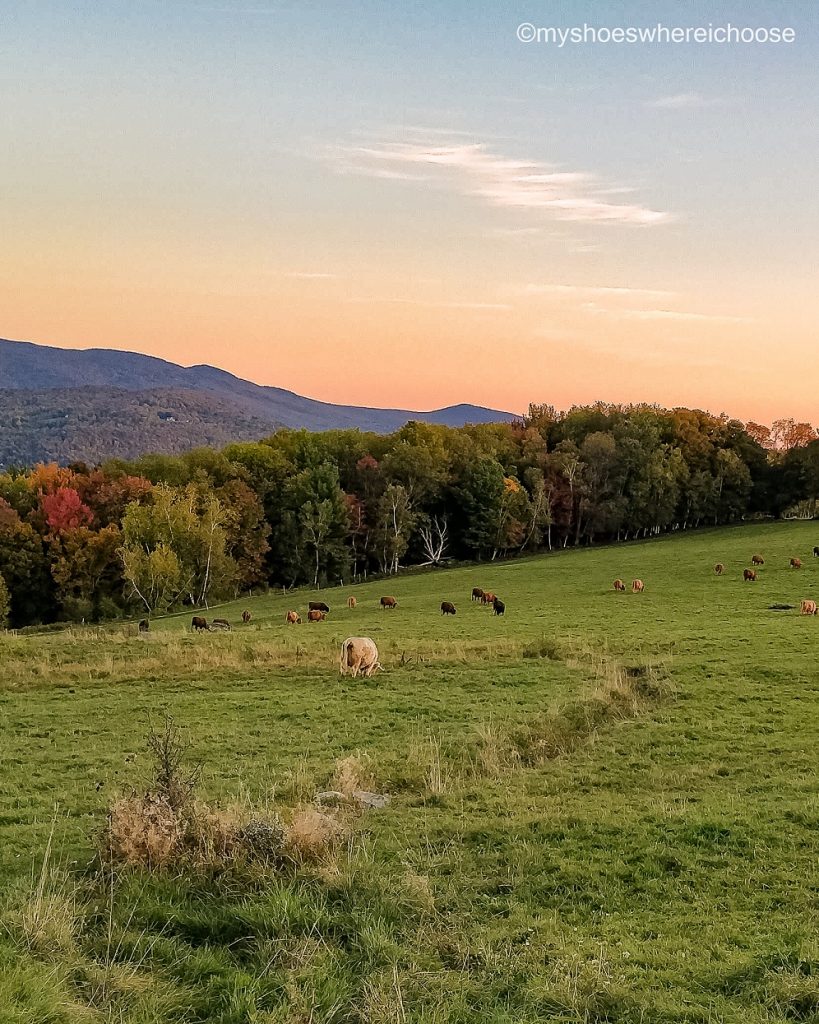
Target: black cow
(447, 608)
(199, 625)
(318, 606)
(498, 606)
(144, 626)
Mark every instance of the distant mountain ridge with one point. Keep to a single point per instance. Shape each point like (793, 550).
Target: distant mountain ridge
(92, 404)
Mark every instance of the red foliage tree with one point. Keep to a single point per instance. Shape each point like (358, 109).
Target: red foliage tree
(64, 510)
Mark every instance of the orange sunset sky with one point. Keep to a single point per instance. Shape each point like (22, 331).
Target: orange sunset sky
(403, 205)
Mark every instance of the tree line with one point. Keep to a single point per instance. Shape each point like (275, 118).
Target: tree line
(81, 543)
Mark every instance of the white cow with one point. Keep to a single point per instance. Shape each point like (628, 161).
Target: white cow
(359, 654)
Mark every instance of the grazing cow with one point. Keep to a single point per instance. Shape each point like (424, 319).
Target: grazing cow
(318, 606)
(749, 575)
(807, 608)
(719, 568)
(292, 618)
(389, 602)
(796, 563)
(359, 655)
(144, 626)
(816, 552)
(314, 615)
(488, 597)
(199, 625)
(619, 586)
(221, 624)
(447, 608)
(757, 560)
(351, 602)
(637, 586)
(477, 594)
(246, 617)
(498, 606)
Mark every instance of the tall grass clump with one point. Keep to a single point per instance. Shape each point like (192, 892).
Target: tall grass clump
(619, 693)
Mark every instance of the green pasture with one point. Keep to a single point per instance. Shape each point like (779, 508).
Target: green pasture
(666, 869)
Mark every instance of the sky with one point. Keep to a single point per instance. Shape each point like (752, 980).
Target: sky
(405, 204)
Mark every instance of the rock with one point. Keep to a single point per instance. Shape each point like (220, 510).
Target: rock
(331, 796)
(372, 801)
(375, 801)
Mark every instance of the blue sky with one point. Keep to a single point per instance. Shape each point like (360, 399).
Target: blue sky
(243, 182)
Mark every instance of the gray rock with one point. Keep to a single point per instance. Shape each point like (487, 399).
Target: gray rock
(373, 800)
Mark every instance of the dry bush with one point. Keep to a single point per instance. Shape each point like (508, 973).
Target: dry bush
(142, 830)
(172, 779)
(167, 827)
(312, 835)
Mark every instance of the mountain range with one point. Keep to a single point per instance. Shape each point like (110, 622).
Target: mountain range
(89, 405)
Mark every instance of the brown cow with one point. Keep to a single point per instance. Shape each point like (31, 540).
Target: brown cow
(314, 615)
(477, 594)
(796, 563)
(749, 575)
(808, 608)
(637, 586)
(351, 602)
(619, 585)
(246, 617)
(318, 606)
(447, 608)
(719, 568)
(144, 626)
(292, 618)
(199, 624)
(757, 560)
(389, 602)
(488, 597)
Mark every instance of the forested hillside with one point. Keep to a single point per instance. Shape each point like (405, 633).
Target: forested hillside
(67, 405)
(160, 531)
(97, 423)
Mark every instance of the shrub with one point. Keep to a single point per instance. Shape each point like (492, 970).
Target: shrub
(167, 827)
(142, 830)
(263, 838)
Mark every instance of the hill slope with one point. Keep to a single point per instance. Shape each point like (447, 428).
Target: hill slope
(84, 384)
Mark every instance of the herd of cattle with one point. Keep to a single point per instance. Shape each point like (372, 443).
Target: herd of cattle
(359, 658)
(806, 607)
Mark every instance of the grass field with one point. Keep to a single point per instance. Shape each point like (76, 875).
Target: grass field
(657, 862)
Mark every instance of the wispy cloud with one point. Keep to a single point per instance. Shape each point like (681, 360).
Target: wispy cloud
(473, 169)
(673, 314)
(681, 101)
(589, 291)
(662, 314)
